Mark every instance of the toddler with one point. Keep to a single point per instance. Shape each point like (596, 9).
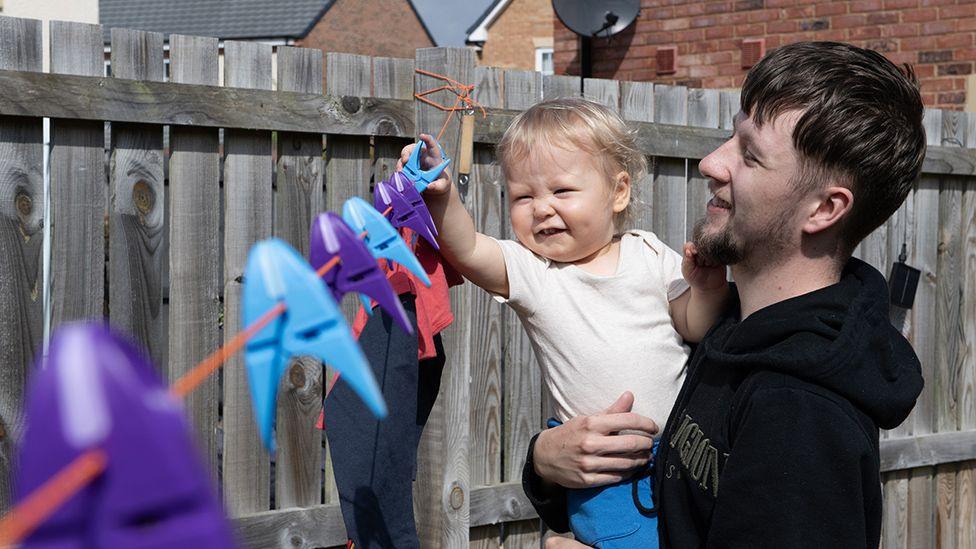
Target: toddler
(606, 309)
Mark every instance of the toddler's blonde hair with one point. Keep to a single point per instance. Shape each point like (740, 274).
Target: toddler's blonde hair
(584, 124)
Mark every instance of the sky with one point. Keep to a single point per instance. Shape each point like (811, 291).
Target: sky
(448, 20)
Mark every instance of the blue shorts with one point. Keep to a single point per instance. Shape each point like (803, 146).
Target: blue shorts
(617, 516)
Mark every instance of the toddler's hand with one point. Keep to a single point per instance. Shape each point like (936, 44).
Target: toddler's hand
(430, 157)
(701, 274)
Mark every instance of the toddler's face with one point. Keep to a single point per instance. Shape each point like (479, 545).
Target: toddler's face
(561, 204)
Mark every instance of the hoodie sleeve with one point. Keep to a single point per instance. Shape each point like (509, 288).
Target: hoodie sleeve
(548, 499)
(799, 475)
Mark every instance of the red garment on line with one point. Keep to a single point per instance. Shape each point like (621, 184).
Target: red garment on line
(433, 304)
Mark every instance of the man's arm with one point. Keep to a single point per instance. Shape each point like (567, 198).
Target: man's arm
(802, 473)
(585, 451)
(475, 256)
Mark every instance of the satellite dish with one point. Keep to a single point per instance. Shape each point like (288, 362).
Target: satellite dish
(593, 18)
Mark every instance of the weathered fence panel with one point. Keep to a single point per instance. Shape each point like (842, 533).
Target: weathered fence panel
(194, 241)
(21, 240)
(522, 383)
(298, 198)
(247, 219)
(78, 186)
(137, 220)
(492, 399)
(482, 195)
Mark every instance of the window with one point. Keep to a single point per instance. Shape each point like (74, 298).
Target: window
(543, 60)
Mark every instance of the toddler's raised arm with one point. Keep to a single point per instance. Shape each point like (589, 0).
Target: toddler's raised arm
(697, 309)
(477, 257)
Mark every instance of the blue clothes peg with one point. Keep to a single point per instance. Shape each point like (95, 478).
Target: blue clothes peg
(422, 178)
(312, 325)
(382, 239)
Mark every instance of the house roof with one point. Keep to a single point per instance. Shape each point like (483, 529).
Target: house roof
(446, 20)
(225, 19)
(478, 32)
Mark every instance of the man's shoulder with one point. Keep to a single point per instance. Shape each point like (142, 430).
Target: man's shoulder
(775, 392)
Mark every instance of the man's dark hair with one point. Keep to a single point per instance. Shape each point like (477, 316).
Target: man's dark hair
(861, 124)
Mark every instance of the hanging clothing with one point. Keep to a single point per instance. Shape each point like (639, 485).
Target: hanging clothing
(375, 461)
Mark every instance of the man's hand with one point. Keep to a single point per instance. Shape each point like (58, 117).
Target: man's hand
(702, 275)
(586, 451)
(430, 157)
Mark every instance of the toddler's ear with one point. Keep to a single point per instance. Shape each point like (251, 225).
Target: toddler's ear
(621, 191)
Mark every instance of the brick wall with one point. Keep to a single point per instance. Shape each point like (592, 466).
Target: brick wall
(522, 27)
(384, 28)
(936, 36)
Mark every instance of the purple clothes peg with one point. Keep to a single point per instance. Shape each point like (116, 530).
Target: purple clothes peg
(404, 214)
(357, 270)
(98, 391)
(402, 183)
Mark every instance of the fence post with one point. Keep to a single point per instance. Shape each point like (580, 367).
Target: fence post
(442, 494)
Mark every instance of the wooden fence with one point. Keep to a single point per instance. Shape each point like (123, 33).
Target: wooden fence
(176, 223)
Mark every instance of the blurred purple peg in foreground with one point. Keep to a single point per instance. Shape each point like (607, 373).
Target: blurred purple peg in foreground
(98, 391)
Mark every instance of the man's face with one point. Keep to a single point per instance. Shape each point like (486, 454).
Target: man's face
(752, 216)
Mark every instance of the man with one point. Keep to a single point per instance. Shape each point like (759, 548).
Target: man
(773, 440)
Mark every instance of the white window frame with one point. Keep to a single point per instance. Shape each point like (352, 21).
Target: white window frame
(540, 54)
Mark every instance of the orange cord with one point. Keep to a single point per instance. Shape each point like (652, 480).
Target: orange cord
(192, 379)
(462, 91)
(51, 495)
(44, 501)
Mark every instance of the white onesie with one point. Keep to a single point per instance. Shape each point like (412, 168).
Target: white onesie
(598, 336)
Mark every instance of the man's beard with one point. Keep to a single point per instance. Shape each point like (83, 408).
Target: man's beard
(720, 248)
(723, 248)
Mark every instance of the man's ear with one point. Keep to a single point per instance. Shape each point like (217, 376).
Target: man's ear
(621, 191)
(835, 203)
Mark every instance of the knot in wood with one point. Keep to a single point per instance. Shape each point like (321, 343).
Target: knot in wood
(25, 205)
(457, 497)
(386, 127)
(143, 197)
(513, 507)
(351, 104)
(296, 541)
(296, 375)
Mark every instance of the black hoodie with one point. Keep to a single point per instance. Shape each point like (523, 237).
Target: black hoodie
(773, 440)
